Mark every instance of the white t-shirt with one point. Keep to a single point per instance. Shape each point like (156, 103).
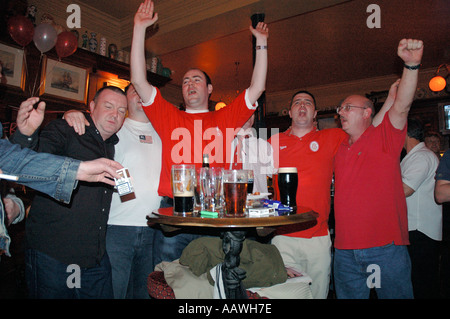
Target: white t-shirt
(257, 155)
(418, 171)
(139, 150)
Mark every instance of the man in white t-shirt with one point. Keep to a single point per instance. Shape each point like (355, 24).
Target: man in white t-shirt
(424, 215)
(252, 153)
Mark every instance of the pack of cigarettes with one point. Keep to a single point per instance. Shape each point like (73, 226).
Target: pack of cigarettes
(260, 212)
(123, 184)
(278, 207)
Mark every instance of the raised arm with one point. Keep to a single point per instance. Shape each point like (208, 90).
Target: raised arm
(410, 51)
(258, 82)
(378, 118)
(143, 18)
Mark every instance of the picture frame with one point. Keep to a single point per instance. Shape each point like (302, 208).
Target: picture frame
(14, 68)
(64, 80)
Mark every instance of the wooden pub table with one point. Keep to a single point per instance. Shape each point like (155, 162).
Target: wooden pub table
(234, 230)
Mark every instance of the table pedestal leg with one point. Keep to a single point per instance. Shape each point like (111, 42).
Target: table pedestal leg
(232, 275)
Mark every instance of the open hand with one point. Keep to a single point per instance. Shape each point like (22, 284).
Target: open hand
(28, 118)
(145, 16)
(261, 31)
(77, 120)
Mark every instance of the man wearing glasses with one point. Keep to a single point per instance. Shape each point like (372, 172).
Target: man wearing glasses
(370, 206)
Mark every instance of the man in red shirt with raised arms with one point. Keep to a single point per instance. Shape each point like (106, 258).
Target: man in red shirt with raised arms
(187, 135)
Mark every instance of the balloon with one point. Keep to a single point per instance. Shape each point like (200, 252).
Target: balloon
(66, 44)
(44, 37)
(21, 29)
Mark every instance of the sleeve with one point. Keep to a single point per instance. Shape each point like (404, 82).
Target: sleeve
(159, 111)
(237, 112)
(51, 139)
(25, 141)
(393, 139)
(47, 173)
(443, 170)
(19, 203)
(415, 171)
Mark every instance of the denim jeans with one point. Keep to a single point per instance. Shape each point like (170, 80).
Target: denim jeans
(170, 246)
(386, 268)
(130, 250)
(48, 278)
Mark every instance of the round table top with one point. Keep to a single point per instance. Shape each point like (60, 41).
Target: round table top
(165, 216)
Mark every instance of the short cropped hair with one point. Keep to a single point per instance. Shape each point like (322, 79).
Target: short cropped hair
(109, 87)
(303, 92)
(415, 129)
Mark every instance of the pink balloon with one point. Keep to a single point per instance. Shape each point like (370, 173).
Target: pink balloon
(44, 37)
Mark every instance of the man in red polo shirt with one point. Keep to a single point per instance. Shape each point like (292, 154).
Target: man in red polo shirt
(312, 152)
(370, 206)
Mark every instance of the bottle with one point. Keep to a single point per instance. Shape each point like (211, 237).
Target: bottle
(205, 160)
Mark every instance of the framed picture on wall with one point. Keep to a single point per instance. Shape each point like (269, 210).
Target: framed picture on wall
(64, 80)
(12, 60)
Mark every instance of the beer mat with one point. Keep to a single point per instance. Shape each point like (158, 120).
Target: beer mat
(259, 196)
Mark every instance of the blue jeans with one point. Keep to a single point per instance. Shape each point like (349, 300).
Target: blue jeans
(170, 246)
(130, 250)
(48, 278)
(386, 268)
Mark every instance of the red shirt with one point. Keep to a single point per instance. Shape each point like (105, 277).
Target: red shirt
(187, 136)
(313, 155)
(369, 203)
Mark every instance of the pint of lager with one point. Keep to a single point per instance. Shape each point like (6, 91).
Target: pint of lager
(183, 188)
(235, 191)
(287, 184)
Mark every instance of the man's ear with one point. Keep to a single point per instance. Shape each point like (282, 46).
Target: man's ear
(91, 106)
(210, 88)
(367, 113)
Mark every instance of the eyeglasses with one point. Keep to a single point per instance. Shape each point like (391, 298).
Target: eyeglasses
(347, 108)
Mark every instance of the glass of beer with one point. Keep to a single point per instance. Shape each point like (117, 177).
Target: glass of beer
(211, 188)
(183, 189)
(287, 184)
(250, 182)
(235, 191)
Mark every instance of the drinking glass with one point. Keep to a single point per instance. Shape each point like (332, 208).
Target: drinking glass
(235, 191)
(211, 188)
(183, 185)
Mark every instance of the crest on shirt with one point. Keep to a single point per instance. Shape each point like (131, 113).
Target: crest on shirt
(146, 139)
(314, 146)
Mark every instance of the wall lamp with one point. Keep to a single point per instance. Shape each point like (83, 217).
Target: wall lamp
(438, 83)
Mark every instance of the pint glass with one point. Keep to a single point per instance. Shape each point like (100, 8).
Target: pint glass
(183, 185)
(211, 188)
(235, 191)
(287, 184)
